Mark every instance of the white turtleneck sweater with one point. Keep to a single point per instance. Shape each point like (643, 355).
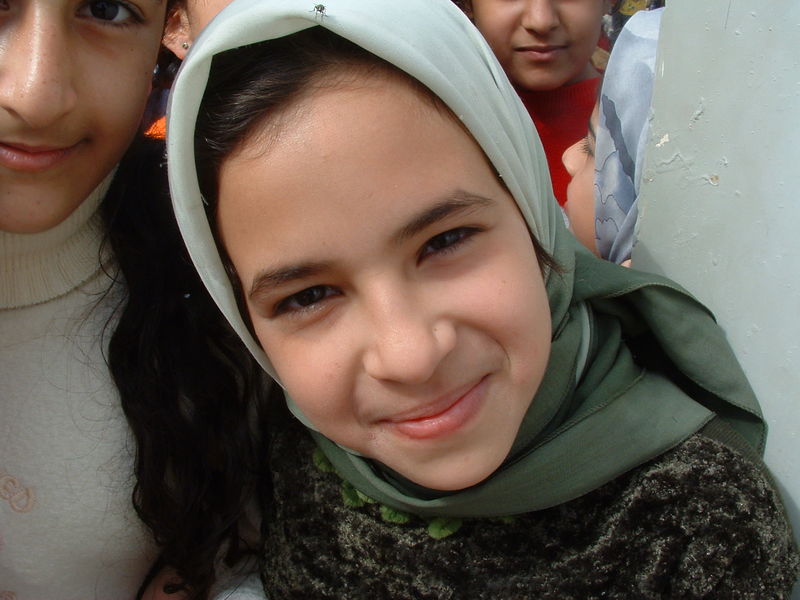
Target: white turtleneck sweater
(68, 530)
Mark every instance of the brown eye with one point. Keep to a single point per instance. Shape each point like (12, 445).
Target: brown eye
(305, 299)
(448, 241)
(107, 11)
(111, 12)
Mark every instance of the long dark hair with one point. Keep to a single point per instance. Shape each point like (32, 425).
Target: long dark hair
(189, 389)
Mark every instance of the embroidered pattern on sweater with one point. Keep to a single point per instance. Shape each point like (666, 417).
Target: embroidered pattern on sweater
(437, 527)
(700, 521)
(19, 498)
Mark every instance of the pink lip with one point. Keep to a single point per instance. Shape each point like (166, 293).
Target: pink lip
(443, 416)
(540, 53)
(32, 159)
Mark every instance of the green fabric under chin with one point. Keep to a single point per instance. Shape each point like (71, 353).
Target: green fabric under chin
(636, 366)
(623, 410)
(699, 521)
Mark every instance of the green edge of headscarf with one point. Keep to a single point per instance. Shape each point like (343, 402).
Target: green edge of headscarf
(630, 417)
(590, 421)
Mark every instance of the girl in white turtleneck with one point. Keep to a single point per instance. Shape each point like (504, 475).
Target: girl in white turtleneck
(103, 331)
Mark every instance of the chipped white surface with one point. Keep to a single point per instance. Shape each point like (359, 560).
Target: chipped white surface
(720, 198)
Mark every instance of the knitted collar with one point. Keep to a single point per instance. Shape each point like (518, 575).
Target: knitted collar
(549, 105)
(38, 267)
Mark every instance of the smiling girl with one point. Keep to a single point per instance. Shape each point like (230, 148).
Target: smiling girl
(111, 364)
(482, 409)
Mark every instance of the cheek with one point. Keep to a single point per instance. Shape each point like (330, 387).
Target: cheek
(581, 185)
(496, 24)
(528, 310)
(530, 336)
(131, 98)
(510, 303)
(314, 372)
(585, 26)
(580, 208)
(121, 106)
(520, 328)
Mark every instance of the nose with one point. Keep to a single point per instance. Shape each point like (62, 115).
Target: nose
(36, 67)
(540, 16)
(407, 340)
(573, 158)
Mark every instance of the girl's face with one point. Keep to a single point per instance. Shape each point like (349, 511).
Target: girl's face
(390, 278)
(542, 44)
(74, 79)
(578, 160)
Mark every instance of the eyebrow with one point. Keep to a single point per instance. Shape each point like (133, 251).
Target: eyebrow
(456, 203)
(591, 129)
(272, 278)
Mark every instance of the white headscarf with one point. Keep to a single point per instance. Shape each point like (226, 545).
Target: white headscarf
(450, 57)
(597, 413)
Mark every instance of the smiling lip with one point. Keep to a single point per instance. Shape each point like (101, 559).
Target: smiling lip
(540, 53)
(32, 159)
(443, 416)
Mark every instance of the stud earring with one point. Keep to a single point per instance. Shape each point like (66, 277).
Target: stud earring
(185, 45)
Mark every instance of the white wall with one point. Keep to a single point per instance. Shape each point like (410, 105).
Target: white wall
(720, 196)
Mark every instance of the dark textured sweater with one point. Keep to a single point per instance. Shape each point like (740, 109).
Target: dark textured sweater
(700, 521)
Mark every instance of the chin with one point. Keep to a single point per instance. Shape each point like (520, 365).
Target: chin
(451, 478)
(15, 220)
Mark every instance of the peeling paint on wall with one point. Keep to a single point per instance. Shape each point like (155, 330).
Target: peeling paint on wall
(719, 209)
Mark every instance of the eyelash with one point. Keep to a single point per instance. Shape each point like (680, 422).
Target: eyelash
(285, 305)
(586, 148)
(464, 234)
(309, 298)
(134, 18)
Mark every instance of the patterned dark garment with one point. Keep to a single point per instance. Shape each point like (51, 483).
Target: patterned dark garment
(697, 522)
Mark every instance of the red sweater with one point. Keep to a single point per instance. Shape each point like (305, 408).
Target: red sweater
(561, 117)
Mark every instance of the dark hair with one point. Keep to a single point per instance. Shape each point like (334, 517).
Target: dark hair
(248, 86)
(189, 389)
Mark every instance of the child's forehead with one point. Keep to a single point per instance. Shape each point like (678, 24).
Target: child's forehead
(332, 91)
(380, 140)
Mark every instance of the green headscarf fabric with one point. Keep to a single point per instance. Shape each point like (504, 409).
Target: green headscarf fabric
(598, 412)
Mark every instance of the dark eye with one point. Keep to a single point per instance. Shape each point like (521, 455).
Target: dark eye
(448, 241)
(305, 299)
(108, 10)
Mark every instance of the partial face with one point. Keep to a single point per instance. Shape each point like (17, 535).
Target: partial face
(391, 280)
(578, 160)
(200, 13)
(542, 44)
(187, 21)
(74, 79)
